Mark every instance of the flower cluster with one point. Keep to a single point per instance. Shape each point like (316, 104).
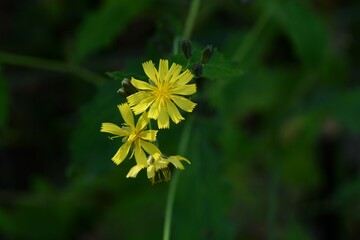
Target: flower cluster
(160, 99)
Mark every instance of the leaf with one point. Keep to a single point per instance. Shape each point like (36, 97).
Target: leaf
(101, 27)
(305, 30)
(220, 68)
(4, 100)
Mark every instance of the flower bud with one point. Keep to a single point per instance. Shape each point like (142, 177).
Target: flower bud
(207, 53)
(186, 48)
(128, 87)
(197, 69)
(122, 92)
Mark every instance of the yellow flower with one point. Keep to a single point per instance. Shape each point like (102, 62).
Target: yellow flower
(164, 93)
(135, 138)
(159, 165)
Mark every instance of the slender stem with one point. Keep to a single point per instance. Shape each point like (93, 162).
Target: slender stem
(189, 25)
(184, 140)
(52, 65)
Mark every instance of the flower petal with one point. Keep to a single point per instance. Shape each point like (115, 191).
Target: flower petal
(142, 122)
(163, 69)
(113, 129)
(149, 135)
(142, 105)
(135, 98)
(150, 149)
(163, 119)
(175, 160)
(184, 78)
(150, 172)
(183, 103)
(150, 71)
(176, 163)
(140, 155)
(173, 112)
(141, 84)
(173, 73)
(134, 171)
(121, 153)
(154, 110)
(127, 114)
(184, 89)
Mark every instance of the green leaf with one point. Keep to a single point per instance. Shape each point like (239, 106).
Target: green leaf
(101, 27)
(305, 30)
(4, 100)
(220, 68)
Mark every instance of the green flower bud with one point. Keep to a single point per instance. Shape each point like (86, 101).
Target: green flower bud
(128, 87)
(197, 69)
(123, 93)
(207, 53)
(186, 48)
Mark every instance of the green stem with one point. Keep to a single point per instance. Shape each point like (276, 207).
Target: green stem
(52, 65)
(189, 25)
(184, 140)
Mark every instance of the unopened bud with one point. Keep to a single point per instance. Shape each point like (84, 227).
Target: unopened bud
(122, 92)
(207, 54)
(197, 69)
(128, 87)
(186, 48)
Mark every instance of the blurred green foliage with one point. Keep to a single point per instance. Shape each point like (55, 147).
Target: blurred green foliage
(275, 135)
(4, 100)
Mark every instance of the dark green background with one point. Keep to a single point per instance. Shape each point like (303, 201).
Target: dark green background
(275, 138)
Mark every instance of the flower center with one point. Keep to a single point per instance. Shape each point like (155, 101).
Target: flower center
(163, 92)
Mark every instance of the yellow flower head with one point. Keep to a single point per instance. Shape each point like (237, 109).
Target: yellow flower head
(135, 137)
(164, 93)
(159, 166)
